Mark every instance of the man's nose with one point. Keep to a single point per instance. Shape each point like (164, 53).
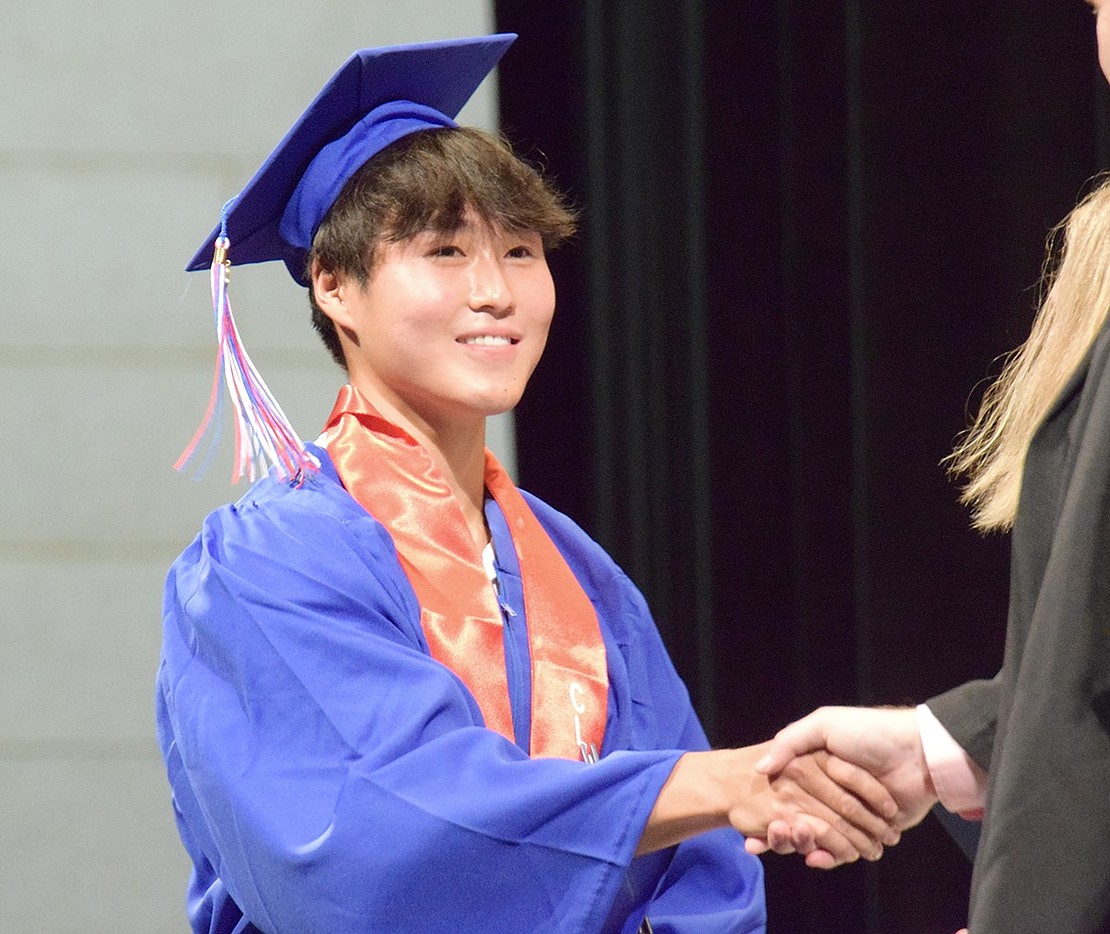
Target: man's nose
(489, 289)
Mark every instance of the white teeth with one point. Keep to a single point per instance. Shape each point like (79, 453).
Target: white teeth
(486, 339)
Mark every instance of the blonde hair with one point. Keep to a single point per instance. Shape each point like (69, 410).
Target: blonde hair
(1076, 297)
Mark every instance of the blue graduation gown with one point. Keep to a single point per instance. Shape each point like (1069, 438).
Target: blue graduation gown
(329, 775)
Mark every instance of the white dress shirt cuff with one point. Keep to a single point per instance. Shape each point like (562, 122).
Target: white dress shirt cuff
(960, 784)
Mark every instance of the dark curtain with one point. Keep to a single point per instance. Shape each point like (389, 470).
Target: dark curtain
(808, 233)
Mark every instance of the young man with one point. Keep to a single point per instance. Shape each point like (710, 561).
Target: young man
(397, 693)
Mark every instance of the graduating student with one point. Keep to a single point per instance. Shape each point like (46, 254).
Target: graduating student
(397, 693)
(1028, 750)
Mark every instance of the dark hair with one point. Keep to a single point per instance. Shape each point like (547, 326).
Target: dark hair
(428, 180)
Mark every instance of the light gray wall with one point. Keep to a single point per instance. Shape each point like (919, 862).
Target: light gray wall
(123, 128)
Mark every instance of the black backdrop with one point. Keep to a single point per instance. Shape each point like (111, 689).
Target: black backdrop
(809, 231)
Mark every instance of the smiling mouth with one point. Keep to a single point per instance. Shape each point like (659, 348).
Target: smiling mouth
(489, 340)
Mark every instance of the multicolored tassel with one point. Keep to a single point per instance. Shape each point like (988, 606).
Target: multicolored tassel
(264, 438)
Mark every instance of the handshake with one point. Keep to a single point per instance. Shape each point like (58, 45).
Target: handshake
(876, 784)
(837, 785)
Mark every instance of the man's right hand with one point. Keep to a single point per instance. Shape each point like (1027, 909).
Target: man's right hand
(883, 740)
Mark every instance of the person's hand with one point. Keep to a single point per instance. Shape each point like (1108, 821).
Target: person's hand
(883, 741)
(824, 807)
(842, 812)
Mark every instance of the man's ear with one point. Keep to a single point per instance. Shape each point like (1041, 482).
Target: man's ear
(330, 289)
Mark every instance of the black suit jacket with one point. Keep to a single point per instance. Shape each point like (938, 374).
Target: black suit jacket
(1042, 725)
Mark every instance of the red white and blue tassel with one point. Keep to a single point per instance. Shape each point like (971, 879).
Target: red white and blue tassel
(264, 437)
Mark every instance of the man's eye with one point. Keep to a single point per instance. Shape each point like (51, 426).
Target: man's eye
(520, 252)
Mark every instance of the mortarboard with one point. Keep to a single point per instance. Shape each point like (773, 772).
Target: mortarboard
(377, 97)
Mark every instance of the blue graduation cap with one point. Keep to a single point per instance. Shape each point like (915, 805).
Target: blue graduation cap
(377, 97)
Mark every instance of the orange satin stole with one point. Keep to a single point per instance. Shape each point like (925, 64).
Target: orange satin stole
(391, 476)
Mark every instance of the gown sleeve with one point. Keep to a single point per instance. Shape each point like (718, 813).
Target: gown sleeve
(329, 775)
(708, 883)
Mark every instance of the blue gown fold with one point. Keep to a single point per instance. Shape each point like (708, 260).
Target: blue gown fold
(329, 775)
